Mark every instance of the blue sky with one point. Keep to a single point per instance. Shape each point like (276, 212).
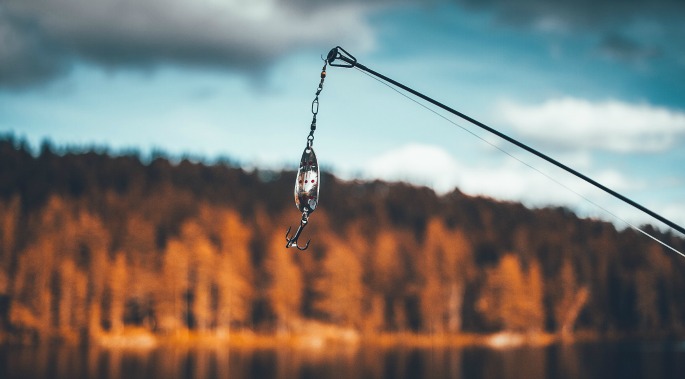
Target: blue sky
(599, 85)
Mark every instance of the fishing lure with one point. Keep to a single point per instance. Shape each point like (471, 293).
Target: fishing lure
(307, 180)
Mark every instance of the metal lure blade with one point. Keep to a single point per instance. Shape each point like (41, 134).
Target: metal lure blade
(307, 182)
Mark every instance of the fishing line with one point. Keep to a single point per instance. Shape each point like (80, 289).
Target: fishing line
(549, 177)
(338, 53)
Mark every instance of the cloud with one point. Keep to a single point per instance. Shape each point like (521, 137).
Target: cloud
(632, 31)
(41, 38)
(581, 13)
(620, 47)
(571, 123)
(507, 179)
(25, 57)
(511, 180)
(419, 164)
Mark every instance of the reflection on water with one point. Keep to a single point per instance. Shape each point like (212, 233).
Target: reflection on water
(656, 360)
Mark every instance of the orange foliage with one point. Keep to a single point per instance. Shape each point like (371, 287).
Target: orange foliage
(93, 245)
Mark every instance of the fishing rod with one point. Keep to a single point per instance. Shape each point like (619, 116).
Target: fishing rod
(338, 57)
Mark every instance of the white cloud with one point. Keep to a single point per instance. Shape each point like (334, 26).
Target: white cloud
(419, 164)
(571, 123)
(508, 180)
(512, 181)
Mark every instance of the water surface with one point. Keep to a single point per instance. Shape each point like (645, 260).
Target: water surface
(655, 360)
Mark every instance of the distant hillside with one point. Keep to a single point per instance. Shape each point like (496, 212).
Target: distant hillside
(92, 243)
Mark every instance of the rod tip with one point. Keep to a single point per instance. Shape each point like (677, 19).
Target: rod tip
(332, 55)
(339, 54)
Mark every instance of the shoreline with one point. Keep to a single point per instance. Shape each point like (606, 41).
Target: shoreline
(320, 336)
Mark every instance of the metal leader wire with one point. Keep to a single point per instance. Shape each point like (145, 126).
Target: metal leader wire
(307, 180)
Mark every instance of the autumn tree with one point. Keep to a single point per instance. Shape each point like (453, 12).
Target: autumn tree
(388, 273)
(173, 287)
(373, 302)
(374, 314)
(202, 258)
(534, 308)
(9, 218)
(510, 300)
(285, 287)
(93, 245)
(89, 240)
(34, 292)
(446, 266)
(570, 300)
(138, 243)
(234, 271)
(117, 285)
(339, 286)
(73, 301)
(67, 319)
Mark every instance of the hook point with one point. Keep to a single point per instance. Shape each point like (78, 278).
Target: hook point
(292, 242)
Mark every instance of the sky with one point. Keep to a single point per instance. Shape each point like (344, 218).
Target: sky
(598, 85)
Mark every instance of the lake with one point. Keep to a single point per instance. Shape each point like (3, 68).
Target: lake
(653, 360)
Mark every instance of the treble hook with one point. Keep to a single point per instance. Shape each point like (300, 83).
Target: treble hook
(292, 242)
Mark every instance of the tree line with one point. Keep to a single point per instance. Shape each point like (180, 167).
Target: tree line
(93, 242)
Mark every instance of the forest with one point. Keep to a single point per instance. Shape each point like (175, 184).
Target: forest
(93, 243)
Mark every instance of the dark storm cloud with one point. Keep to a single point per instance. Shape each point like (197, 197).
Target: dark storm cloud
(39, 39)
(580, 13)
(25, 55)
(631, 31)
(620, 47)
